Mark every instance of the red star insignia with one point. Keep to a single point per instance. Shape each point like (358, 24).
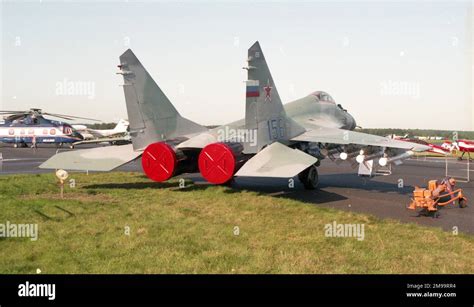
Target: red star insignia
(268, 90)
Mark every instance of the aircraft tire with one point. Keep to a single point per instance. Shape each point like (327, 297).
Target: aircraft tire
(309, 178)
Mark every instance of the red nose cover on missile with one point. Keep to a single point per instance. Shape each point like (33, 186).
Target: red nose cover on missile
(217, 163)
(159, 161)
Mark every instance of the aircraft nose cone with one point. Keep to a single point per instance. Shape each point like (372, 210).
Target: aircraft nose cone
(351, 123)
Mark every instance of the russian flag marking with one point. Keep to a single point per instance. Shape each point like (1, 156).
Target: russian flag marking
(253, 88)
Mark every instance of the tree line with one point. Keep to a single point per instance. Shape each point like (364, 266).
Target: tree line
(445, 134)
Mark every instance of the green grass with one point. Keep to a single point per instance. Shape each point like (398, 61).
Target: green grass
(191, 230)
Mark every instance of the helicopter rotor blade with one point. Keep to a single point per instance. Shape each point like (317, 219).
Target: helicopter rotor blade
(13, 117)
(14, 112)
(69, 117)
(38, 112)
(62, 117)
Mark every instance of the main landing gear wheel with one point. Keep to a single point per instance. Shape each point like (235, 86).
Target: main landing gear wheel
(309, 178)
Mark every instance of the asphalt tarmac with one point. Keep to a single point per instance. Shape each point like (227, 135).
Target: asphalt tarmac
(340, 187)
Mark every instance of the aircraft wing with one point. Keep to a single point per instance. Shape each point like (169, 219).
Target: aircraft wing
(319, 134)
(277, 160)
(95, 159)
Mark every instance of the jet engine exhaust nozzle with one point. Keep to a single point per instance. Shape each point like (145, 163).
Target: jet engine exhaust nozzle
(159, 161)
(218, 162)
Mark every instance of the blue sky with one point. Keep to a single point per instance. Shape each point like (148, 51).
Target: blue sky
(391, 64)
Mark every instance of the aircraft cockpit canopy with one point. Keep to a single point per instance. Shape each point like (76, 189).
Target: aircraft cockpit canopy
(323, 96)
(31, 120)
(66, 129)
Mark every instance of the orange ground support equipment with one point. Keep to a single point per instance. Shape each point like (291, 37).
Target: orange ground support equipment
(438, 194)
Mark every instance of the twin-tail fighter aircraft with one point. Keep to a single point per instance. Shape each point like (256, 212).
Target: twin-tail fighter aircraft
(273, 140)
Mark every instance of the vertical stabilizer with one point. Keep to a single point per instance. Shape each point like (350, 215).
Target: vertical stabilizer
(121, 126)
(151, 114)
(264, 109)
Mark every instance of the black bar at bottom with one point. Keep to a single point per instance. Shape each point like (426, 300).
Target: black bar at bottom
(441, 290)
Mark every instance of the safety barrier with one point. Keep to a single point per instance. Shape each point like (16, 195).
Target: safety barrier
(448, 171)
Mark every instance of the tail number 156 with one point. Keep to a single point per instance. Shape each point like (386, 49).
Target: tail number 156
(276, 129)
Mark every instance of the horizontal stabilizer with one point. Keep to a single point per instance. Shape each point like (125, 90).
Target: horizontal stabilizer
(277, 160)
(101, 159)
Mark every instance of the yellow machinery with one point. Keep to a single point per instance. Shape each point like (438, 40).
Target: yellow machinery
(438, 194)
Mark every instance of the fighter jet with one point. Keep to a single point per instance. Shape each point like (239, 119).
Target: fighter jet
(273, 140)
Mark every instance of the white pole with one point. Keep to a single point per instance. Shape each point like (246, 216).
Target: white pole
(446, 166)
(468, 168)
